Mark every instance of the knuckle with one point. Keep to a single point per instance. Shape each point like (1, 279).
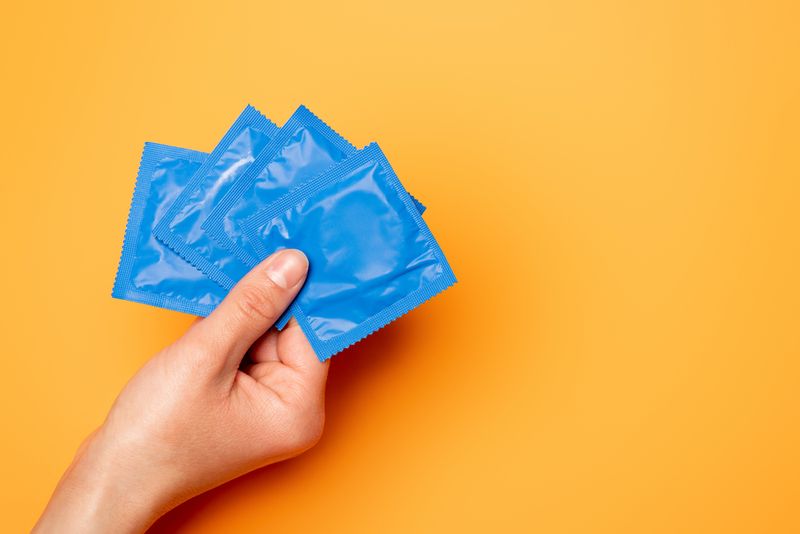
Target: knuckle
(258, 303)
(308, 431)
(191, 348)
(315, 430)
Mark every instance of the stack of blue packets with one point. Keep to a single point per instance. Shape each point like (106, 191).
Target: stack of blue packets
(199, 222)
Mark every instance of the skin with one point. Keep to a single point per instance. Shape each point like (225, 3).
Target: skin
(228, 397)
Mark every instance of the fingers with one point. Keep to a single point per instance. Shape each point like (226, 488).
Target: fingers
(251, 307)
(266, 348)
(295, 351)
(289, 348)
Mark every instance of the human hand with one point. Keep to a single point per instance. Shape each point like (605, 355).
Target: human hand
(195, 416)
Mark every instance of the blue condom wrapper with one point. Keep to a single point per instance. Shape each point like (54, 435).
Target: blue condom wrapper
(181, 226)
(303, 148)
(149, 272)
(372, 257)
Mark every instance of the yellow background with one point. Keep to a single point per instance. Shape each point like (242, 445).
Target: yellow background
(615, 183)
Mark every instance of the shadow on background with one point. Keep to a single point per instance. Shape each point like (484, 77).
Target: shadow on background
(376, 355)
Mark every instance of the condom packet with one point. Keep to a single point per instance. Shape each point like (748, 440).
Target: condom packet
(372, 257)
(149, 272)
(304, 147)
(180, 227)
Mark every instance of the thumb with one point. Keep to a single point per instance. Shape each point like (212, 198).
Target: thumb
(251, 307)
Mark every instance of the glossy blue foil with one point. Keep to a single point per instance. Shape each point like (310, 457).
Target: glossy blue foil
(372, 257)
(303, 148)
(149, 272)
(181, 227)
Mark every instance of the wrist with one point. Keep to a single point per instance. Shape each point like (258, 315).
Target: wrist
(103, 490)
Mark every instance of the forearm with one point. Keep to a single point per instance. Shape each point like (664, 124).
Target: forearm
(98, 493)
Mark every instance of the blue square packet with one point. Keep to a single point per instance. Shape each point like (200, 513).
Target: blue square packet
(180, 227)
(149, 272)
(303, 148)
(372, 257)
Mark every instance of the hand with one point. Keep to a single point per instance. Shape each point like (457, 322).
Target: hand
(195, 416)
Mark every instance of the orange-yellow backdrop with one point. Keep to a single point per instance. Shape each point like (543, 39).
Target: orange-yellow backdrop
(616, 184)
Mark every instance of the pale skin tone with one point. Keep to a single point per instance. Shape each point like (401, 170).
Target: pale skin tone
(195, 417)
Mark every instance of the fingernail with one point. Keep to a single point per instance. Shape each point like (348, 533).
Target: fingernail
(287, 268)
